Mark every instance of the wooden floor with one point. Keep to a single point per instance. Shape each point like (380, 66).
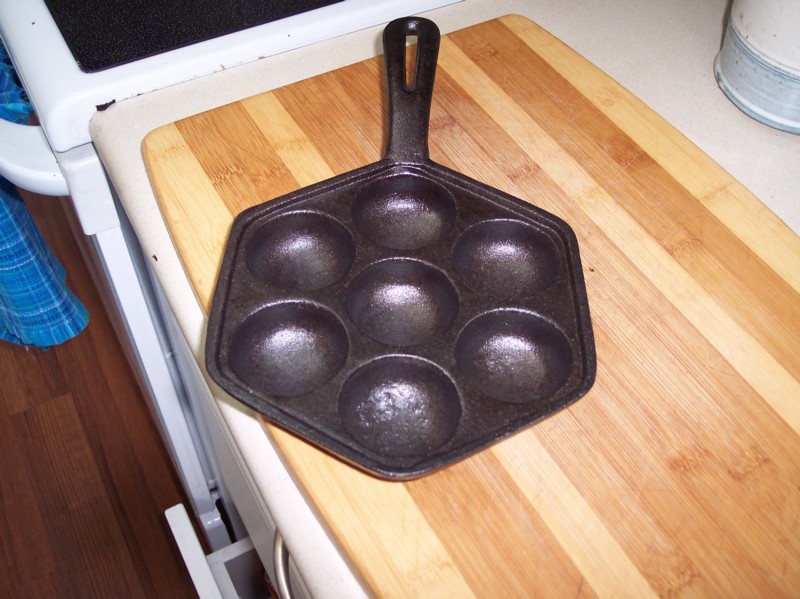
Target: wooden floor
(84, 476)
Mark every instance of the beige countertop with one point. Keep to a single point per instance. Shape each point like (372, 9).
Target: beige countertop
(669, 68)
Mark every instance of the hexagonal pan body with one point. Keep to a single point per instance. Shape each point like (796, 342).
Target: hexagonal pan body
(402, 316)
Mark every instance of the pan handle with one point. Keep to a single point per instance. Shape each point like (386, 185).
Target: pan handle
(410, 105)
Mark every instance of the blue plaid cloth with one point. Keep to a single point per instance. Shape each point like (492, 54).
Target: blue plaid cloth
(36, 308)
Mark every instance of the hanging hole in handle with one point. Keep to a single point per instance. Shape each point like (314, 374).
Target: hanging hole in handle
(410, 71)
(412, 46)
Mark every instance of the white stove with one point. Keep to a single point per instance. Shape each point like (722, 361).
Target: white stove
(65, 98)
(58, 158)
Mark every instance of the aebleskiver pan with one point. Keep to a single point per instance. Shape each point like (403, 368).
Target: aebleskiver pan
(402, 316)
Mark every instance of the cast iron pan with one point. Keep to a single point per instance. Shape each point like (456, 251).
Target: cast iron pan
(401, 316)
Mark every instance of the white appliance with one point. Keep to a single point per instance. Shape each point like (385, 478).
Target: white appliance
(58, 158)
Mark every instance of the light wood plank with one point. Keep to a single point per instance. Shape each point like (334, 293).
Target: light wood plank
(606, 566)
(203, 225)
(288, 139)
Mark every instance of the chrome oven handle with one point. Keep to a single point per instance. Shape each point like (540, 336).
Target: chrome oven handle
(280, 561)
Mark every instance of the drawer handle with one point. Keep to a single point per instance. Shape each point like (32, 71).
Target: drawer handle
(280, 561)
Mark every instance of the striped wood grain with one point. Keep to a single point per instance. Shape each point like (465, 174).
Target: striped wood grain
(679, 473)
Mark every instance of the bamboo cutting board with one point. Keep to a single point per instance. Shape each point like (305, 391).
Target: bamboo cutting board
(678, 474)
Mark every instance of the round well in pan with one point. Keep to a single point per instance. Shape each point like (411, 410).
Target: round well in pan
(513, 355)
(300, 250)
(404, 212)
(401, 302)
(400, 406)
(288, 349)
(505, 258)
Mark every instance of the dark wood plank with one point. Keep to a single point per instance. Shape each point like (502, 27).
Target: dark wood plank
(33, 377)
(85, 477)
(28, 561)
(77, 509)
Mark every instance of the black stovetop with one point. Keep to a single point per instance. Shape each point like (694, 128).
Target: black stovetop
(107, 33)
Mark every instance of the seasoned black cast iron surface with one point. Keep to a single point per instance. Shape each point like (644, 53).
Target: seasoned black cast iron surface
(402, 315)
